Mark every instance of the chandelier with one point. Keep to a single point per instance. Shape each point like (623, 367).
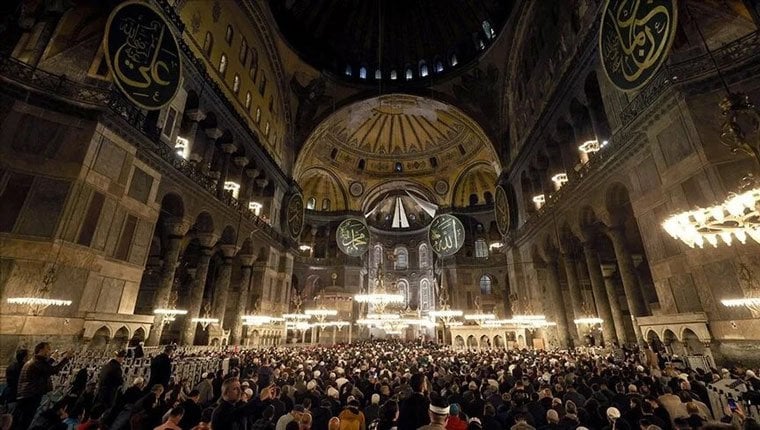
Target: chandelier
(39, 301)
(170, 313)
(738, 217)
(205, 321)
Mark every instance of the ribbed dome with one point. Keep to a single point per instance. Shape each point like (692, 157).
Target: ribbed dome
(355, 39)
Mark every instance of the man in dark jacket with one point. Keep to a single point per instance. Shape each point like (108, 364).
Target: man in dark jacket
(161, 368)
(232, 415)
(193, 410)
(110, 380)
(413, 412)
(34, 382)
(12, 373)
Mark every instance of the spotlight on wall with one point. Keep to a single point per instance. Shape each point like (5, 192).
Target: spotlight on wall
(539, 200)
(181, 146)
(559, 180)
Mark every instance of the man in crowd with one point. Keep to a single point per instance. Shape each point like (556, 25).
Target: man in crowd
(232, 415)
(161, 368)
(34, 382)
(110, 381)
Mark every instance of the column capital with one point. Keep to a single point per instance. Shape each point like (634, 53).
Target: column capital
(637, 259)
(207, 240)
(252, 172)
(240, 161)
(246, 260)
(229, 147)
(213, 133)
(177, 227)
(195, 115)
(228, 250)
(608, 270)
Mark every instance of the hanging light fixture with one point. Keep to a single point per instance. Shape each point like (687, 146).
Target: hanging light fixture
(39, 301)
(738, 217)
(751, 299)
(205, 321)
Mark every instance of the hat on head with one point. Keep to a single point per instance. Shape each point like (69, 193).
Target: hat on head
(299, 408)
(749, 374)
(248, 392)
(375, 399)
(613, 413)
(332, 392)
(311, 385)
(472, 385)
(454, 409)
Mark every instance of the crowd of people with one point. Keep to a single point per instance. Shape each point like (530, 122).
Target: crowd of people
(379, 385)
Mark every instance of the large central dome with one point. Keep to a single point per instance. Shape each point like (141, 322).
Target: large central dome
(397, 136)
(396, 41)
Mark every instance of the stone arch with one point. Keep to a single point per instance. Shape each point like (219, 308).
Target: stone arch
(472, 342)
(204, 223)
(692, 343)
(138, 336)
(616, 201)
(247, 247)
(521, 340)
(320, 184)
(458, 342)
(100, 338)
(229, 236)
(485, 342)
(173, 205)
(121, 337)
(498, 341)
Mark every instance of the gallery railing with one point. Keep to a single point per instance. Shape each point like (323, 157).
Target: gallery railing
(742, 52)
(91, 96)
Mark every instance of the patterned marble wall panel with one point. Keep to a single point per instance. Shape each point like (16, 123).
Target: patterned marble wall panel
(685, 293)
(114, 232)
(110, 295)
(128, 298)
(48, 196)
(107, 220)
(110, 159)
(76, 216)
(716, 281)
(665, 297)
(673, 143)
(141, 242)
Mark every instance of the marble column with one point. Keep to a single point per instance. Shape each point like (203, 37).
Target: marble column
(246, 268)
(222, 283)
(228, 149)
(573, 285)
(199, 285)
(633, 294)
(209, 151)
(555, 296)
(601, 299)
(175, 231)
(608, 270)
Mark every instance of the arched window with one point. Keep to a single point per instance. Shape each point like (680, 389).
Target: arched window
(453, 60)
(228, 36)
(403, 288)
(263, 84)
(349, 71)
(254, 69)
(393, 74)
(362, 72)
(488, 197)
(378, 74)
(243, 51)
(423, 255)
(423, 69)
(488, 30)
(438, 66)
(481, 249)
(485, 285)
(408, 74)
(223, 64)
(208, 43)
(266, 129)
(377, 255)
(473, 199)
(248, 101)
(311, 203)
(426, 295)
(325, 204)
(257, 118)
(402, 258)
(480, 44)
(236, 84)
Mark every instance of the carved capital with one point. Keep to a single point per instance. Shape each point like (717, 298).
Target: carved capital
(608, 270)
(177, 227)
(213, 133)
(206, 240)
(252, 173)
(229, 148)
(246, 260)
(228, 250)
(195, 115)
(195, 158)
(240, 161)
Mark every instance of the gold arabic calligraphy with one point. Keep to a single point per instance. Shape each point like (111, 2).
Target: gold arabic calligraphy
(635, 37)
(353, 237)
(446, 235)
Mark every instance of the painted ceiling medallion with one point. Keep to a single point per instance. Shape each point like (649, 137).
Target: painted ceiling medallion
(441, 187)
(356, 189)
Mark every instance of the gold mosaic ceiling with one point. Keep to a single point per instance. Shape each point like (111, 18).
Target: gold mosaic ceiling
(372, 136)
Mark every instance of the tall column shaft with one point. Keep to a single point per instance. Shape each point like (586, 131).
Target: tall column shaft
(196, 297)
(601, 300)
(242, 304)
(617, 312)
(171, 260)
(633, 295)
(555, 294)
(228, 149)
(576, 301)
(222, 289)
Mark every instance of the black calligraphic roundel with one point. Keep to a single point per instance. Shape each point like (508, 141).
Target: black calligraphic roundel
(446, 235)
(142, 55)
(635, 39)
(294, 215)
(352, 237)
(501, 210)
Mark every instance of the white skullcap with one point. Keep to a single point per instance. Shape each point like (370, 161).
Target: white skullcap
(749, 374)
(248, 392)
(332, 392)
(311, 385)
(613, 413)
(375, 399)
(317, 373)
(472, 385)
